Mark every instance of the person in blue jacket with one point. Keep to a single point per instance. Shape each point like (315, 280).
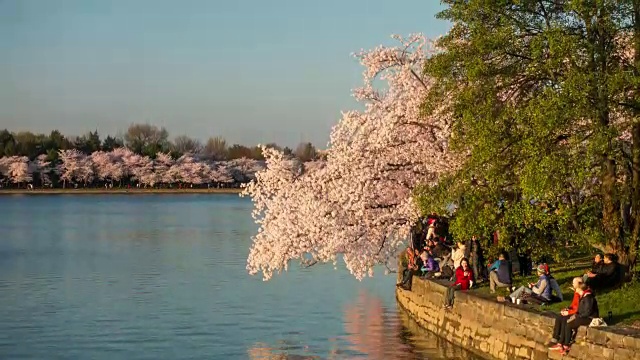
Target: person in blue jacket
(500, 274)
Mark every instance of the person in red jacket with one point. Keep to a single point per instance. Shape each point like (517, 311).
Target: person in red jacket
(463, 281)
(565, 314)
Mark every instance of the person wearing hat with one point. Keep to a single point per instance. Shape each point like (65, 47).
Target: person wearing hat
(539, 292)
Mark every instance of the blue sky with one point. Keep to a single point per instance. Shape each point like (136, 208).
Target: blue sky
(251, 71)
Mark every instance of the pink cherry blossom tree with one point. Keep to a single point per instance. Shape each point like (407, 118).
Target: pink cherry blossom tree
(220, 173)
(71, 165)
(19, 170)
(162, 164)
(102, 163)
(357, 205)
(43, 167)
(4, 169)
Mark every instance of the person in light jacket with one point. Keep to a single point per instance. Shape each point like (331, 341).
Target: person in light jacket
(539, 292)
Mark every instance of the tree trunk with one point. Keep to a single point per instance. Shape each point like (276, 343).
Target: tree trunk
(635, 196)
(635, 169)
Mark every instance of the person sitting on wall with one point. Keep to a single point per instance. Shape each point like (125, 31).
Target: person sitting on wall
(464, 281)
(604, 276)
(500, 274)
(430, 266)
(587, 311)
(565, 314)
(539, 292)
(407, 274)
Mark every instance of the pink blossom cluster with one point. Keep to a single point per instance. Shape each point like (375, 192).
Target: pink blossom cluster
(122, 163)
(357, 205)
(16, 168)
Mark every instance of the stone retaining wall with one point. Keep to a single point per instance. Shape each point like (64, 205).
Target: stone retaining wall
(504, 331)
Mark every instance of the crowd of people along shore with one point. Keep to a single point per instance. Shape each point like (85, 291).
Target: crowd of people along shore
(462, 266)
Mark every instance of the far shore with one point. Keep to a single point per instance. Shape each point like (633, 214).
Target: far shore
(133, 191)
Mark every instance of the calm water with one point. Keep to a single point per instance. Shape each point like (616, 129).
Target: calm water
(163, 277)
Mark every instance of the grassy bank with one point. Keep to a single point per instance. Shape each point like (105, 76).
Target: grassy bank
(85, 191)
(623, 303)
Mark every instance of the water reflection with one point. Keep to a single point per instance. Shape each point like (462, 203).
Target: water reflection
(371, 331)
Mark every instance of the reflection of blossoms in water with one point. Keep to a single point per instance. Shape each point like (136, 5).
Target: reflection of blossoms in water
(261, 351)
(371, 331)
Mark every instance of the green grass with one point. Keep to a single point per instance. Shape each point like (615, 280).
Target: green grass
(624, 302)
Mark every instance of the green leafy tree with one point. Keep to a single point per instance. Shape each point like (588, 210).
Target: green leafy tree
(109, 143)
(544, 96)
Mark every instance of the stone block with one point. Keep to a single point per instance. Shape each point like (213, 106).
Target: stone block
(539, 354)
(607, 353)
(555, 355)
(595, 336)
(631, 343)
(524, 352)
(625, 354)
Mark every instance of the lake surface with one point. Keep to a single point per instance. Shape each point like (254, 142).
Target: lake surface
(163, 277)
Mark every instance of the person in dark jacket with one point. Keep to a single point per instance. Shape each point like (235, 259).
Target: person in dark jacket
(595, 267)
(499, 274)
(605, 275)
(587, 311)
(476, 258)
(566, 313)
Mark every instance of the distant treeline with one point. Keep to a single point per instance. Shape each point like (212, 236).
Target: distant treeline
(142, 139)
(144, 157)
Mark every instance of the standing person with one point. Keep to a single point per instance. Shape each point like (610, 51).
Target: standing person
(524, 260)
(587, 311)
(459, 254)
(431, 223)
(477, 259)
(464, 280)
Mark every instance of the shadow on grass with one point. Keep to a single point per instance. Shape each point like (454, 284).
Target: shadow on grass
(619, 318)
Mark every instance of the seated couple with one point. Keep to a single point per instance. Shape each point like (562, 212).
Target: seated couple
(581, 312)
(418, 262)
(541, 292)
(412, 266)
(604, 274)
